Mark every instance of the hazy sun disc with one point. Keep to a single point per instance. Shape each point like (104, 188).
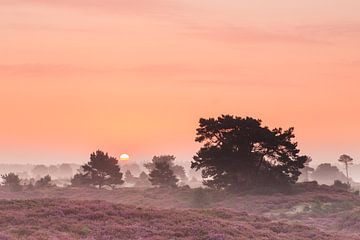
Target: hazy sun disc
(124, 157)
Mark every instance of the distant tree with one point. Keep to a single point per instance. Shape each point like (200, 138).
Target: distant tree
(307, 169)
(347, 160)
(240, 153)
(102, 170)
(43, 182)
(142, 180)
(162, 175)
(132, 167)
(65, 171)
(178, 170)
(12, 181)
(40, 171)
(325, 173)
(129, 178)
(169, 159)
(53, 171)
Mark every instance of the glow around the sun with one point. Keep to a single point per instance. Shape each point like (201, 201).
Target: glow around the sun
(124, 157)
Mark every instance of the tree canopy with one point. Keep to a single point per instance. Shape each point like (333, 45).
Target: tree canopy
(162, 175)
(178, 170)
(12, 181)
(241, 153)
(101, 170)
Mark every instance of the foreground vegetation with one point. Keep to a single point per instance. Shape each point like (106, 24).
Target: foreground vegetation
(310, 212)
(66, 219)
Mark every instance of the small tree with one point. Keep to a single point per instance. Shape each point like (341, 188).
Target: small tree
(143, 180)
(12, 181)
(347, 160)
(178, 170)
(43, 182)
(162, 175)
(129, 178)
(307, 168)
(102, 170)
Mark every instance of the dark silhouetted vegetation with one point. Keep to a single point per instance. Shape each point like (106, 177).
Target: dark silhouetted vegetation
(340, 185)
(240, 153)
(162, 175)
(12, 181)
(178, 170)
(347, 160)
(43, 182)
(101, 170)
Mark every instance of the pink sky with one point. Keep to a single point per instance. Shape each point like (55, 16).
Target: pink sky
(135, 76)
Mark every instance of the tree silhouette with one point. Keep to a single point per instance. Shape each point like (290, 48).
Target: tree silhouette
(102, 170)
(178, 170)
(325, 173)
(307, 168)
(143, 180)
(129, 178)
(347, 160)
(81, 180)
(12, 181)
(240, 153)
(162, 175)
(43, 182)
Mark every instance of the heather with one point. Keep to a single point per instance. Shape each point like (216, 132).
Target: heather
(71, 219)
(309, 212)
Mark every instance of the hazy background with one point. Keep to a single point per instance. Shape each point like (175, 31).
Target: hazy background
(135, 76)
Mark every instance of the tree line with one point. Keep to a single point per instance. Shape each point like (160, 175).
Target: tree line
(236, 154)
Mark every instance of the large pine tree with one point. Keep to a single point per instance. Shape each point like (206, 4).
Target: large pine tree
(240, 153)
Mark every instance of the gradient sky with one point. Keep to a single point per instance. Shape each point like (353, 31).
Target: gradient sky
(135, 76)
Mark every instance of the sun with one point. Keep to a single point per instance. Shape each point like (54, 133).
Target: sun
(124, 157)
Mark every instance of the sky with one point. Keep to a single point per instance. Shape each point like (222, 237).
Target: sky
(134, 77)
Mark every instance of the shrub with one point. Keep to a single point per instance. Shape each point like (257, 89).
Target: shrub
(12, 181)
(340, 185)
(43, 182)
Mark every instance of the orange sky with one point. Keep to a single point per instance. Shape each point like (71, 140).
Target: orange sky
(135, 76)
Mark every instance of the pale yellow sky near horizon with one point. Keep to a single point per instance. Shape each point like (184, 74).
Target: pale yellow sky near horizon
(135, 76)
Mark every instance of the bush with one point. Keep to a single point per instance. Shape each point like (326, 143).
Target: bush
(12, 181)
(44, 182)
(80, 180)
(340, 185)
